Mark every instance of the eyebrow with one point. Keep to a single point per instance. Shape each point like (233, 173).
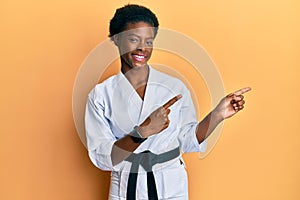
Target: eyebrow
(133, 34)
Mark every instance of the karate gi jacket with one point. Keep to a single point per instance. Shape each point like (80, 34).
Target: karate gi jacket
(114, 108)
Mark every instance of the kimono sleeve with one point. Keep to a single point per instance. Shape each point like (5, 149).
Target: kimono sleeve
(100, 138)
(187, 137)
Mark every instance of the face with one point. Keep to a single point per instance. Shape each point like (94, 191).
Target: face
(135, 44)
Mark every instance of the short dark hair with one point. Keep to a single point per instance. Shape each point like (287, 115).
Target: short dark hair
(131, 13)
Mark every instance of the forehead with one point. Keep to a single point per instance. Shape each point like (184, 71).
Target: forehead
(140, 29)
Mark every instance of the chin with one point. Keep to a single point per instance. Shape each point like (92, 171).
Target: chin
(139, 65)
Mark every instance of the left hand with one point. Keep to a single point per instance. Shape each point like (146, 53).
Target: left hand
(231, 104)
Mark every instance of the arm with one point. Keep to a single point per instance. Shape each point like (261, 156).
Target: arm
(228, 106)
(100, 138)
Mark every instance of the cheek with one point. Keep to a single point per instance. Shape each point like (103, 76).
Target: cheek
(150, 51)
(126, 57)
(125, 48)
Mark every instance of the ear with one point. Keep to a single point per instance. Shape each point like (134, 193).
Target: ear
(116, 39)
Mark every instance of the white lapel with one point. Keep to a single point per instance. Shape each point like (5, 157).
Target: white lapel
(152, 94)
(129, 108)
(126, 103)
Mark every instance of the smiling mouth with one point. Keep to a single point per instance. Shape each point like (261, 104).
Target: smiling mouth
(139, 58)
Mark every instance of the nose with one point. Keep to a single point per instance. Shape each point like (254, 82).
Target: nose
(141, 46)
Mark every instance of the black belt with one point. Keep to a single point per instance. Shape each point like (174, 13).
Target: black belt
(147, 159)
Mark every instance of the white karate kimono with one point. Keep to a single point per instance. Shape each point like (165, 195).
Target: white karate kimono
(112, 111)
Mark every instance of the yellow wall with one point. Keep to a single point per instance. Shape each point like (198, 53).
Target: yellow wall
(254, 43)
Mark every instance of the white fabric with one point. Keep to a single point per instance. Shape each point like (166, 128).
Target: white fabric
(114, 108)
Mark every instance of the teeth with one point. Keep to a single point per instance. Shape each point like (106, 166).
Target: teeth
(138, 56)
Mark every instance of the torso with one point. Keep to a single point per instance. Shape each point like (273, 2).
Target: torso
(141, 91)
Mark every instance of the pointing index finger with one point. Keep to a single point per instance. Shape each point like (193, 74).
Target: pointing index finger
(172, 101)
(242, 91)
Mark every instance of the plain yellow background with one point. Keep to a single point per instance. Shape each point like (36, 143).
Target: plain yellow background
(254, 43)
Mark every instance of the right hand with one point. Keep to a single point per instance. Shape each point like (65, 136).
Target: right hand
(231, 104)
(158, 120)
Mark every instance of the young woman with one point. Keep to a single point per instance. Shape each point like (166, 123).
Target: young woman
(139, 121)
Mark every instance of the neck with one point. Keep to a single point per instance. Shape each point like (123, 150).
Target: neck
(137, 76)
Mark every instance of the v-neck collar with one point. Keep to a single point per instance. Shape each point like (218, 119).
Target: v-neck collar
(129, 94)
(129, 86)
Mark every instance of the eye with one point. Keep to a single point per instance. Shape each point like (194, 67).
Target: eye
(149, 43)
(133, 40)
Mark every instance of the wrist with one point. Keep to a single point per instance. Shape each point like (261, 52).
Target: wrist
(136, 136)
(217, 116)
(143, 131)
